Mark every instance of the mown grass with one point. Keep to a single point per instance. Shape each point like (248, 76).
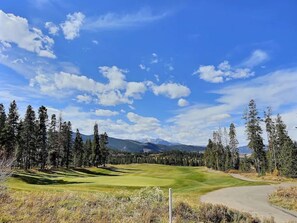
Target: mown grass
(122, 193)
(188, 183)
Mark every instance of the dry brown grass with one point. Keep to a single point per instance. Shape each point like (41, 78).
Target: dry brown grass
(269, 177)
(147, 205)
(285, 197)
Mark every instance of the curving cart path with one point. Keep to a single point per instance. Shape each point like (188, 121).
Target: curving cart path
(251, 199)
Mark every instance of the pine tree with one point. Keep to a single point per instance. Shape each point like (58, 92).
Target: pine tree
(281, 137)
(11, 126)
(78, 150)
(68, 144)
(53, 142)
(29, 138)
(42, 137)
(20, 148)
(233, 144)
(61, 141)
(103, 148)
(273, 162)
(254, 135)
(96, 147)
(208, 155)
(228, 159)
(288, 159)
(2, 129)
(88, 153)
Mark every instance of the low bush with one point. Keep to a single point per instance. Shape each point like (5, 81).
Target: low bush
(285, 197)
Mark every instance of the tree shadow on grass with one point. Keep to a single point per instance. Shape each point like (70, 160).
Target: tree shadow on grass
(43, 180)
(87, 171)
(120, 170)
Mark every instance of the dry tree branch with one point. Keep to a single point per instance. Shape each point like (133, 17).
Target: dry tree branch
(5, 170)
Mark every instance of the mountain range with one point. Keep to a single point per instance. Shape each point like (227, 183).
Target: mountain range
(153, 145)
(146, 145)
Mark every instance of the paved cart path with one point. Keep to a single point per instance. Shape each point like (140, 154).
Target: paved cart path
(251, 199)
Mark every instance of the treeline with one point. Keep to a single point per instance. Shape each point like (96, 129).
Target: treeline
(222, 151)
(175, 158)
(278, 157)
(37, 142)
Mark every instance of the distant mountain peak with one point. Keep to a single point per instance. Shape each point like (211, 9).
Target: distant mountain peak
(157, 141)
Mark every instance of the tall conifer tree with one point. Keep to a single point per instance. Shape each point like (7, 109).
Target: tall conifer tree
(254, 135)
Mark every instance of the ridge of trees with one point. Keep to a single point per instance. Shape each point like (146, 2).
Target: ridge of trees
(280, 156)
(40, 143)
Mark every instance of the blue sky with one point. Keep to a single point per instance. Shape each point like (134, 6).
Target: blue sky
(175, 70)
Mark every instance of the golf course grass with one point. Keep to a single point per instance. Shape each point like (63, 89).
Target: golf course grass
(188, 183)
(115, 194)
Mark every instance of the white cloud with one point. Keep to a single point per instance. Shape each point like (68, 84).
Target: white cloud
(84, 98)
(258, 56)
(142, 66)
(104, 112)
(95, 42)
(53, 29)
(113, 98)
(115, 76)
(276, 89)
(72, 25)
(135, 89)
(223, 72)
(171, 90)
(195, 124)
(155, 58)
(169, 67)
(157, 77)
(182, 102)
(116, 91)
(116, 21)
(143, 124)
(65, 80)
(18, 31)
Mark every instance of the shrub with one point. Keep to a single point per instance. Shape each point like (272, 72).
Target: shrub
(220, 214)
(285, 197)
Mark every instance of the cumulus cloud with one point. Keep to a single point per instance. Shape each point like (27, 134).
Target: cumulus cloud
(72, 25)
(18, 31)
(223, 72)
(182, 102)
(112, 98)
(194, 124)
(171, 90)
(276, 89)
(84, 98)
(142, 123)
(115, 76)
(135, 89)
(116, 91)
(52, 28)
(105, 112)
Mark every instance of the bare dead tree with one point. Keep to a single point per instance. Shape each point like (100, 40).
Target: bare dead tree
(5, 171)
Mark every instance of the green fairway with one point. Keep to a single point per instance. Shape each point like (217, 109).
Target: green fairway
(187, 182)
